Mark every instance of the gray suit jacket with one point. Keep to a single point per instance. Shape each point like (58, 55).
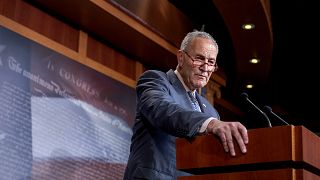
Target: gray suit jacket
(164, 112)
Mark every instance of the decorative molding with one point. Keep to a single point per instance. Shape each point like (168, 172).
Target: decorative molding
(83, 44)
(213, 91)
(134, 24)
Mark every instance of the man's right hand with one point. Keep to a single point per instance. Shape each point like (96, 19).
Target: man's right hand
(226, 131)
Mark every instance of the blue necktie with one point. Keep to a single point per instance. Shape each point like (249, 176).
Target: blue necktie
(194, 102)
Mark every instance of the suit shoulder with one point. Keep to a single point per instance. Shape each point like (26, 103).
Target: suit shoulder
(153, 73)
(152, 79)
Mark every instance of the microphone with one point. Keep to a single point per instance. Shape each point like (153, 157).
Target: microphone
(245, 96)
(268, 109)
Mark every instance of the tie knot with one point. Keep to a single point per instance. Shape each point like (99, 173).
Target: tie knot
(192, 96)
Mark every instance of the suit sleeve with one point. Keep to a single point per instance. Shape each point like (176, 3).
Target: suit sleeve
(158, 107)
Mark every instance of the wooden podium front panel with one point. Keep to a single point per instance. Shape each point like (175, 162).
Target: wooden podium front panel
(265, 145)
(278, 174)
(309, 144)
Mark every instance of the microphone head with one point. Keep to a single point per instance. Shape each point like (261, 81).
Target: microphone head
(244, 95)
(267, 108)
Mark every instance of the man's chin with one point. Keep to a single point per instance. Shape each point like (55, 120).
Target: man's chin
(200, 85)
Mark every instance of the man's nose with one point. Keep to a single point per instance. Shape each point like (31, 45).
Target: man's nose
(205, 66)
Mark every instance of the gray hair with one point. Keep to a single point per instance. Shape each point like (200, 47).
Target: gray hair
(192, 35)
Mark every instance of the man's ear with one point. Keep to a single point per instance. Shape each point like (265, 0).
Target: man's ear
(180, 58)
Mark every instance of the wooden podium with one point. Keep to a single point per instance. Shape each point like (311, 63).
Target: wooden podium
(278, 153)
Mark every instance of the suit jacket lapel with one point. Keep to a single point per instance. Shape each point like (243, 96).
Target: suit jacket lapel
(175, 82)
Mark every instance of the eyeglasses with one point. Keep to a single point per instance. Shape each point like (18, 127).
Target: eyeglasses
(201, 60)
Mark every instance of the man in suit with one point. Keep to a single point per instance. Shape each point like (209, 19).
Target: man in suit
(166, 109)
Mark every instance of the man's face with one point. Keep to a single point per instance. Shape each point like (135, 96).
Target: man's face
(196, 76)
